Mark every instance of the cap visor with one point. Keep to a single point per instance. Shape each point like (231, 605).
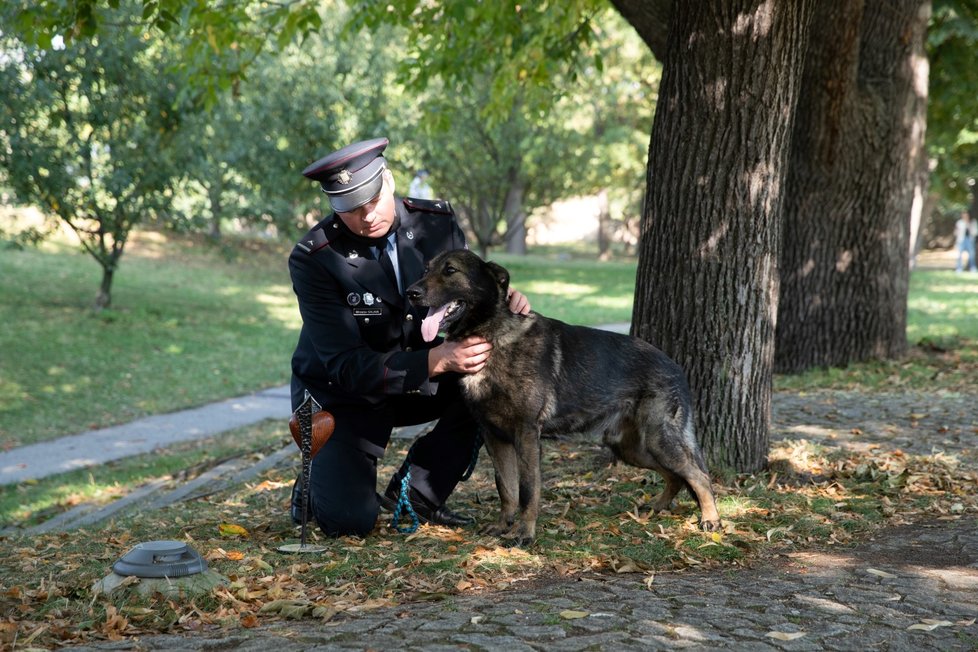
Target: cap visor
(355, 199)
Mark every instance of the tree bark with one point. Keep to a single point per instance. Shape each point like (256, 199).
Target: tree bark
(515, 218)
(707, 280)
(104, 297)
(858, 143)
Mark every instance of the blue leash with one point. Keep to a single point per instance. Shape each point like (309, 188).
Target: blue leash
(404, 506)
(404, 503)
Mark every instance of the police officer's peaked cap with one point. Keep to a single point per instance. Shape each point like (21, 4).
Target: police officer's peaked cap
(352, 176)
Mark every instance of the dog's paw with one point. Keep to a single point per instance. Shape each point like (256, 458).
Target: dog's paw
(497, 529)
(711, 526)
(519, 536)
(517, 542)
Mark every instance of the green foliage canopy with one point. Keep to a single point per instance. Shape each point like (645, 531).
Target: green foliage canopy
(84, 134)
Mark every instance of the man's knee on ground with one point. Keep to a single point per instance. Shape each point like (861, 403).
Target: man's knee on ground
(338, 519)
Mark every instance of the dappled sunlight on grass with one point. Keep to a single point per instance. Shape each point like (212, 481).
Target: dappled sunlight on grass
(942, 304)
(559, 288)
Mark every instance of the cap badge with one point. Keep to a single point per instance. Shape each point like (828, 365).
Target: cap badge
(344, 177)
(410, 235)
(368, 299)
(353, 254)
(353, 298)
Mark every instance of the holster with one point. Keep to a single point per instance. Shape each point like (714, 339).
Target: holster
(323, 425)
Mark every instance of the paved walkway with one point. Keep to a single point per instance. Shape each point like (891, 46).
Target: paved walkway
(96, 447)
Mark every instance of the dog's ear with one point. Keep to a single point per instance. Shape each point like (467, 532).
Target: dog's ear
(502, 276)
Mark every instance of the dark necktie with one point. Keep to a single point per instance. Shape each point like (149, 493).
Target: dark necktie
(386, 264)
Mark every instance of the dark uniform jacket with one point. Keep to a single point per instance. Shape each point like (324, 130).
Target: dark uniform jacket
(361, 340)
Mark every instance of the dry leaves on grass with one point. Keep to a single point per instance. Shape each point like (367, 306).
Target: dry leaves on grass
(596, 518)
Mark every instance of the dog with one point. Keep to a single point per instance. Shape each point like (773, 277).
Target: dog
(545, 377)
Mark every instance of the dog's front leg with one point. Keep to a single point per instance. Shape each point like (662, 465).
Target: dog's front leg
(507, 484)
(527, 443)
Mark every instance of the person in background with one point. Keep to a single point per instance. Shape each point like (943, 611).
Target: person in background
(361, 353)
(419, 187)
(965, 231)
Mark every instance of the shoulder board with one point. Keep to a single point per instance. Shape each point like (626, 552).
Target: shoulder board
(313, 241)
(428, 205)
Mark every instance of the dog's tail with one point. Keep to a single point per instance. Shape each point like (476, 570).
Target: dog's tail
(689, 438)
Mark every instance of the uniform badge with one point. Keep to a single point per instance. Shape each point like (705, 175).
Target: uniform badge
(410, 235)
(353, 298)
(368, 299)
(344, 177)
(353, 254)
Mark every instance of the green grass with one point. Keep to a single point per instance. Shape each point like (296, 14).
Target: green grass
(942, 331)
(577, 291)
(187, 326)
(32, 502)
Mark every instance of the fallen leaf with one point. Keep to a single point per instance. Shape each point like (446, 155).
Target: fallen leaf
(231, 530)
(929, 625)
(249, 620)
(785, 636)
(570, 614)
(879, 573)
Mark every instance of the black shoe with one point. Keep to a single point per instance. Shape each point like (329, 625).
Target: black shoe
(426, 513)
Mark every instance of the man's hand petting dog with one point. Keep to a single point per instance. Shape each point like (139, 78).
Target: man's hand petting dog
(467, 356)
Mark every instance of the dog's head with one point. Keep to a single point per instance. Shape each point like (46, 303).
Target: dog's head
(462, 293)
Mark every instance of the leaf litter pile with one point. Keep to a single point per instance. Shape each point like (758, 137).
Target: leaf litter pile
(595, 518)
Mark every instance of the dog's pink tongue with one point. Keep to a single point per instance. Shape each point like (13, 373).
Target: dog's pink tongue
(430, 324)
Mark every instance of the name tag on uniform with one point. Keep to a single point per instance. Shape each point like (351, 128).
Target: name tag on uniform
(367, 312)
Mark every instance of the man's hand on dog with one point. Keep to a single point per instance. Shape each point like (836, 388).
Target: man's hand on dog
(518, 303)
(466, 356)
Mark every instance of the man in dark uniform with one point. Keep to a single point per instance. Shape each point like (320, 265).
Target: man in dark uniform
(360, 351)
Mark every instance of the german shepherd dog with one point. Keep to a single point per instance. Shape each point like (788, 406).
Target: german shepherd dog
(547, 377)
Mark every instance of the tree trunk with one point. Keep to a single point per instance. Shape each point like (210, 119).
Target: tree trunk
(707, 280)
(856, 152)
(104, 297)
(214, 193)
(604, 225)
(515, 218)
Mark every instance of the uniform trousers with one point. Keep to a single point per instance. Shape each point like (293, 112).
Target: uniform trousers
(343, 476)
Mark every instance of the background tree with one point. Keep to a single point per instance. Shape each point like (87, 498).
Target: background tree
(952, 118)
(857, 149)
(247, 151)
(86, 131)
(707, 281)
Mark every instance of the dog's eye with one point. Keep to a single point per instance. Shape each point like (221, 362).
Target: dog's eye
(449, 269)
